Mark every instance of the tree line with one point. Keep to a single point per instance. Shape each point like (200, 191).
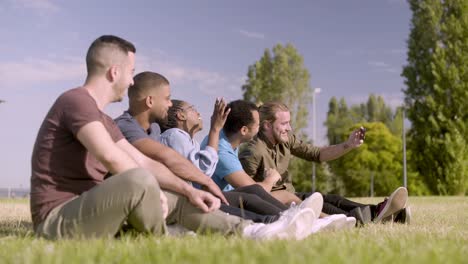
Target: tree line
(436, 79)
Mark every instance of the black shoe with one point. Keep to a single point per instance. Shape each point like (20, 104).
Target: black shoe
(403, 216)
(362, 215)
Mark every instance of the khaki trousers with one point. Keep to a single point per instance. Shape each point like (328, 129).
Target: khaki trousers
(131, 197)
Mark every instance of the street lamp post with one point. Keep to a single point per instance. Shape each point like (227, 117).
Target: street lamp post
(404, 149)
(315, 91)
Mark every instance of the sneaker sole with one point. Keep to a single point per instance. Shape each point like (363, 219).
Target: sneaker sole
(396, 202)
(314, 202)
(408, 215)
(336, 224)
(299, 226)
(366, 215)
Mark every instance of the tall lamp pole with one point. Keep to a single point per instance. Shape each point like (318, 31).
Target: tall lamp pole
(315, 91)
(404, 150)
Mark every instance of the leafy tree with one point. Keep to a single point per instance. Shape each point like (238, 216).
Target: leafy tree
(281, 75)
(380, 156)
(340, 122)
(340, 118)
(436, 77)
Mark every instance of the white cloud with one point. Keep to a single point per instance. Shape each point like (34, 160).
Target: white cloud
(39, 5)
(398, 51)
(33, 70)
(205, 81)
(392, 70)
(377, 63)
(380, 66)
(30, 71)
(396, 1)
(251, 34)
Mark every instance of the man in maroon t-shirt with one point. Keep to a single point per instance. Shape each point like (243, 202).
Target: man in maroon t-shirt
(77, 145)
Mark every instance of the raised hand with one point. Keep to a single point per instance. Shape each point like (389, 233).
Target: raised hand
(220, 113)
(356, 138)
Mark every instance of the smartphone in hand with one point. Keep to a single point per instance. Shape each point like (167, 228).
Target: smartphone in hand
(362, 133)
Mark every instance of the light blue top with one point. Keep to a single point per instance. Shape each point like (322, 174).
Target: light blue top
(228, 162)
(179, 140)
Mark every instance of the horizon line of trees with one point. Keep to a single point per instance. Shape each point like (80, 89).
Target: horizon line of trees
(436, 78)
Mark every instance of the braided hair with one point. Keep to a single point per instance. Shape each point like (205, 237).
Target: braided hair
(177, 105)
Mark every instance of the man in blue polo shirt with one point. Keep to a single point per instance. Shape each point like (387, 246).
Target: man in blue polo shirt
(241, 125)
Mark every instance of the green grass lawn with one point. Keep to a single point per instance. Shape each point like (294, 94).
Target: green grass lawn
(438, 234)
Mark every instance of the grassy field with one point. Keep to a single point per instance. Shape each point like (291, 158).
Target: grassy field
(438, 234)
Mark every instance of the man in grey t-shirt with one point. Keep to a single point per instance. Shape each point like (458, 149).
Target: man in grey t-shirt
(133, 131)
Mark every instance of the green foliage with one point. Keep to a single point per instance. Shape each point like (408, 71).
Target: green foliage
(356, 178)
(340, 118)
(436, 77)
(280, 75)
(380, 157)
(326, 181)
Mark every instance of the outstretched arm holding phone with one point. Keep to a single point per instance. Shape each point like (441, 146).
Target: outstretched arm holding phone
(355, 140)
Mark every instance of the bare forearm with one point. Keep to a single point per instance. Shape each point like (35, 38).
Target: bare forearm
(167, 180)
(176, 163)
(119, 162)
(335, 151)
(213, 138)
(186, 170)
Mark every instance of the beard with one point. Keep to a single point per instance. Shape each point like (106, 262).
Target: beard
(279, 139)
(161, 120)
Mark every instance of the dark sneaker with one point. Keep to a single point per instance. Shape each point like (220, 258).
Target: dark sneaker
(404, 216)
(362, 215)
(391, 205)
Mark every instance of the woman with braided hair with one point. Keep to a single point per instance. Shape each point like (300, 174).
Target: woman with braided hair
(184, 121)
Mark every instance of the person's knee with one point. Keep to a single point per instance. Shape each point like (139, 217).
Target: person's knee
(251, 198)
(140, 179)
(254, 188)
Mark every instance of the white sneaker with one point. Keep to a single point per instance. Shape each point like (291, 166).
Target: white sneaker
(314, 202)
(350, 222)
(329, 223)
(291, 225)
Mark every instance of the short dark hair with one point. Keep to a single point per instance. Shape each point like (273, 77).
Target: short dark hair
(144, 82)
(240, 115)
(93, 62)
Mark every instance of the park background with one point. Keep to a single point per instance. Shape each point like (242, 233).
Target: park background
(354, 51)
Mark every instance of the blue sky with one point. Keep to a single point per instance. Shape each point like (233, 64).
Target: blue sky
(351, 48)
